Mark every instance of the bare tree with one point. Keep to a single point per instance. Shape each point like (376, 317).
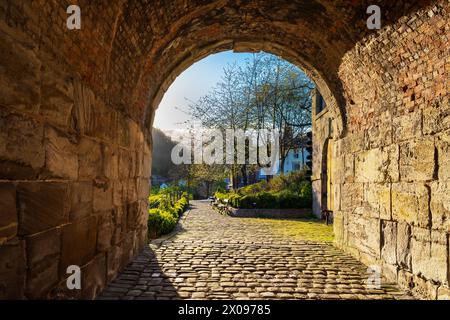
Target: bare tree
(264, 93)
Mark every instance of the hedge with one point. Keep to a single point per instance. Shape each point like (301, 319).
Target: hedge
(162, 216)
(160, 222)
(285, 199)
(154, 201)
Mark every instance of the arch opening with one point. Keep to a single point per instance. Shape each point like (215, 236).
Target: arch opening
(250, 47)
(263, 66)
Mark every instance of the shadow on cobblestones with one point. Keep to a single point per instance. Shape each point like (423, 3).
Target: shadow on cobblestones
(213, 256)
(142, 279)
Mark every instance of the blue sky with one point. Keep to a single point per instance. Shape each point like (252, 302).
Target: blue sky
(192, 84)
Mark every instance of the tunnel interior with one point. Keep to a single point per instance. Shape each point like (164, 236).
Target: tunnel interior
(77, 108)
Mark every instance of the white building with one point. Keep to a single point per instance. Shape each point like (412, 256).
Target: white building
(295, 161)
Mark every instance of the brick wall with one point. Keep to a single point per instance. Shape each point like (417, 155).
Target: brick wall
(392, 165)
(74, 169)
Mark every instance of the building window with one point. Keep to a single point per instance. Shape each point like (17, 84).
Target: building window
(320, 103)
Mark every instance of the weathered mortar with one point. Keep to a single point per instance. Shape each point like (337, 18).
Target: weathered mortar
(392, 167)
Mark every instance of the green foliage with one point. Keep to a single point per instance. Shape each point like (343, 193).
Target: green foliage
(179, 207)
(292, 191)
(267, 200)
(163, 216)
(154, 190)
(160, 222)
(170, 189)
(221, 186)
(207, 177)
(293, 181)
(306, 191)
(154, 201)
(288, 199)
(255, 188)
(235, 200)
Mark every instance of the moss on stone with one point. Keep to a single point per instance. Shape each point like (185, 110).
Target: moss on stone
(298, 229)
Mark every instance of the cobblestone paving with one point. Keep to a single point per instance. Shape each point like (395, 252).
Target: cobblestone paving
(219, 257)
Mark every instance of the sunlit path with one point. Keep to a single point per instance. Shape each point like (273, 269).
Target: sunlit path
(219, 257)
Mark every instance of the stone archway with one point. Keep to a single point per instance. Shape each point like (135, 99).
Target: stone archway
(326, 175)
(76, 112)
(247, 46)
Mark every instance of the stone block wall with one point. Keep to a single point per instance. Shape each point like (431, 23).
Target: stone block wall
(324, 128)
(392, 170)
(74, 167)
(73, 187)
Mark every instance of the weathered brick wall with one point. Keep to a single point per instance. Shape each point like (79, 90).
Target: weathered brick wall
(73, 170)
(325, 127)
(70, 194)
(392, 171)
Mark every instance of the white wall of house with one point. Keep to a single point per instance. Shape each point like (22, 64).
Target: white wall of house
(295, 161)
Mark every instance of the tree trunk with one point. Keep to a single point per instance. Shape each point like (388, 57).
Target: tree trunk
(244, 174)
(235, 182)
(282, 163)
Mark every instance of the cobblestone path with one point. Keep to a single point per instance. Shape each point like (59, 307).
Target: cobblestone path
(219, 257)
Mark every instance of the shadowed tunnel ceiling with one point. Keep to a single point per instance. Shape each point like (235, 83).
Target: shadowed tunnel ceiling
(130, 51)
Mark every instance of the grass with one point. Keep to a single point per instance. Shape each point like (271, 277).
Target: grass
(304, 229)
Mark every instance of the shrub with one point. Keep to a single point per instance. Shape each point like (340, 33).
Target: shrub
(222, 196)
(179, 207)
(163, 216)
(291, 181)
(288, 198)
(244, 202)
(154, 201)
(267, 200)
(234, 200)
(306, 191)
(254, 188)
(160, 222)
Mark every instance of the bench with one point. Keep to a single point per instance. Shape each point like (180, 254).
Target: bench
(222, 207)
